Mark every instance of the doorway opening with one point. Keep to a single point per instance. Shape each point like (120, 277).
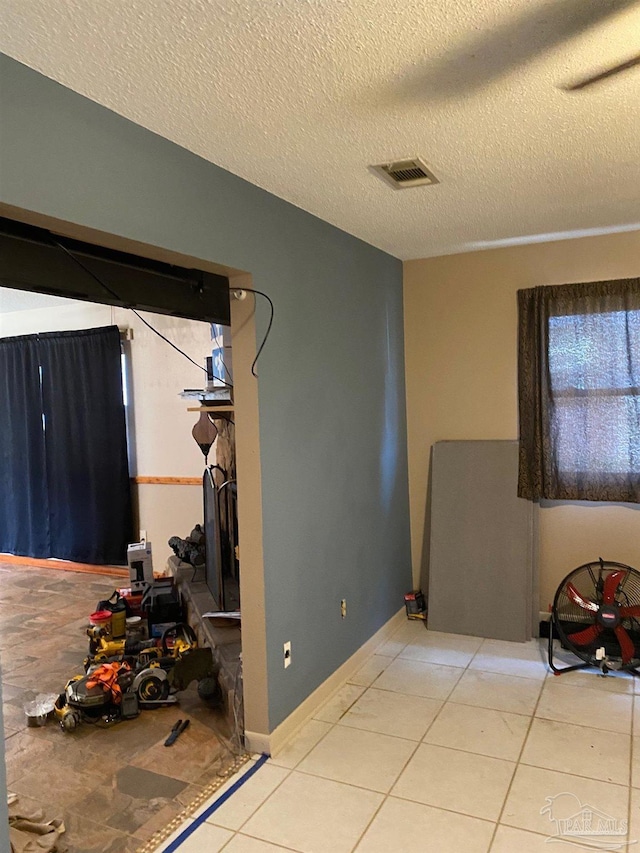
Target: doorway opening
(161, 494)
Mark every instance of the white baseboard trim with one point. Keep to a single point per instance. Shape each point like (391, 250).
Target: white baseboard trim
(274, 743)
(256, 742)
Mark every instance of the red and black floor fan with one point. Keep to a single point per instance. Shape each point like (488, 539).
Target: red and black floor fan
(596, 616)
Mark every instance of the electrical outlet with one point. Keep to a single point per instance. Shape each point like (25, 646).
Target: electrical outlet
(286, 649)
(343, 608)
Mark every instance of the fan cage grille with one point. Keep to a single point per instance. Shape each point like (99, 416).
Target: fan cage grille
(570, 618)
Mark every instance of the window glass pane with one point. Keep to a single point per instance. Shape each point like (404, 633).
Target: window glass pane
(591, 351)
(596, 410)
(594, 434)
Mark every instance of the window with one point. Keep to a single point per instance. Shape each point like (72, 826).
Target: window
(579, 384)
(596, 403)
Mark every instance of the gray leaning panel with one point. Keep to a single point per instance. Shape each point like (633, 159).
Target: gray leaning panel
(482, 570)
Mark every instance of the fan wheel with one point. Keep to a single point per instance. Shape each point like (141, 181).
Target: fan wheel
(597, 606)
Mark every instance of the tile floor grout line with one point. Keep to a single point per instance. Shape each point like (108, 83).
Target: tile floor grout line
(385, 796)
(386, 734)
(372, 685)
(571, 773)
(391, 640)
(220, 801)
(524, 764)
(346, 711)
(510, 674)
(462, 667)
(256, 838)
(261, 803)
(300, 760)
(418, 695)
(515, 770)
(441, 808)
(565, 685)
(397, 737)
(354, 784)
(436, 699)
(468, 751)
(526, 678)
(483, 708)
(469, 668)
(579, 725)
(333, 726)
(406, 764)
(329, 779)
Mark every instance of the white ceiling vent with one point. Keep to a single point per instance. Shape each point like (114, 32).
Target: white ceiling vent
(405, 173)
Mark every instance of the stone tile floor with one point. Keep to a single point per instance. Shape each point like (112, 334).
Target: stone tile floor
(113, 787)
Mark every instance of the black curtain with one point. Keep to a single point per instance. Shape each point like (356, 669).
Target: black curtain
(24, 506)
(63, 447)
(579, 391)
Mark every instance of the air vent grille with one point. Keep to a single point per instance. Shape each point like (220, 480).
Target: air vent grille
(410, 172)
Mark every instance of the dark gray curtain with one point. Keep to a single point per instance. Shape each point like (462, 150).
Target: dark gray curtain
(579, 391)
(63, 448)
(24, 505)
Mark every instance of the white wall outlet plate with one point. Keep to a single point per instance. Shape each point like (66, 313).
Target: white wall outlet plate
(286, 650)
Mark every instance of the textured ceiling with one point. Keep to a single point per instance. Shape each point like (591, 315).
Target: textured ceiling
(300, 96)
(24, 300)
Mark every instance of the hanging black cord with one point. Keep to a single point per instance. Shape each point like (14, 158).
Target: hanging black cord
(266, 334)
(138, 315)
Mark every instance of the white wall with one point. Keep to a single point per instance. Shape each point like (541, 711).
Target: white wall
(161, 423)
(61, 315)
(461, 366)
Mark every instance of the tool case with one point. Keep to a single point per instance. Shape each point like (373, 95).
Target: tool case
(161, 604)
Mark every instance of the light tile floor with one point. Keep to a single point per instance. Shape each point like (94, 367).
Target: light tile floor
(449, 744)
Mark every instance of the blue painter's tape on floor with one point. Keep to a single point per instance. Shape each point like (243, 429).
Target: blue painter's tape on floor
(222, 799)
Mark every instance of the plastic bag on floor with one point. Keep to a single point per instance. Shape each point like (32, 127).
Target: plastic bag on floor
(37, 710)
(30, 833)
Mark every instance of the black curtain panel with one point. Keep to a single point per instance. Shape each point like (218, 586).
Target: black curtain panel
(81, 426)
(579, 391)
(24, 505)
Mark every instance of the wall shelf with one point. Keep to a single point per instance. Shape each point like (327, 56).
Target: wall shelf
(167, 481)
(210, 409)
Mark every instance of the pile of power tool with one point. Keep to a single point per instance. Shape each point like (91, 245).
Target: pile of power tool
(123, 677)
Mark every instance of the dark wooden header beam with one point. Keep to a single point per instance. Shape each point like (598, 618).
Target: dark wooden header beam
(32, 259)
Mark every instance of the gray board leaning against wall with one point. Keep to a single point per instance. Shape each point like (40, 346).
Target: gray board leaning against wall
(483, 575)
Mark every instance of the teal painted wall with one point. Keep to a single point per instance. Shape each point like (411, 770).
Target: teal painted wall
(331, 389)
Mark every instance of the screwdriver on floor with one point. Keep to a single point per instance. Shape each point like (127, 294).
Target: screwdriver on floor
(176, 731)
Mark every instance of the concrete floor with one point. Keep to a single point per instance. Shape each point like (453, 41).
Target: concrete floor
(113, 787)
